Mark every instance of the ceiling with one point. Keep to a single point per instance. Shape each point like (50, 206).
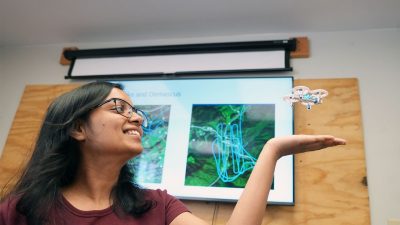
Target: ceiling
(38, 22)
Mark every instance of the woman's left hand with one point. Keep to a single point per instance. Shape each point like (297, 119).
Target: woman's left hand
(293, 144)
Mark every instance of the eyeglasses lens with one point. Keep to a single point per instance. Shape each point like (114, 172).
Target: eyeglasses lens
(127, 110)
(145, 122)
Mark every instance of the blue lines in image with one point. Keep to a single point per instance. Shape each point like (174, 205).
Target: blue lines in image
(231, 158)
(148, 166)
(157, 119)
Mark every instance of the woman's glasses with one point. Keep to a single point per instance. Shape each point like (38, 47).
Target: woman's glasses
(125, 109)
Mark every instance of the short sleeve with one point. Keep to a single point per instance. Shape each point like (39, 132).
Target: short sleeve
(173, 206)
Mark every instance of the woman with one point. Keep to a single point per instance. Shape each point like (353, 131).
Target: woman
(78, 172)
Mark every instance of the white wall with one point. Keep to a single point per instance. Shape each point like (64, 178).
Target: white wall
(371, 56)
(22, 66)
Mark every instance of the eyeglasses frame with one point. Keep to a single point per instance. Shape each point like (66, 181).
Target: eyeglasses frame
(134, 110)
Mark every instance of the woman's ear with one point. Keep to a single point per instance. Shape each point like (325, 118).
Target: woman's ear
(78, 131)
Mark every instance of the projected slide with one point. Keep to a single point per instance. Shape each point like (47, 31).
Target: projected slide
(205, 135)
(225, 141)
(149, 165)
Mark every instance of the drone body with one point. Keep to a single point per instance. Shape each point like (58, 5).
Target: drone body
(306, 96)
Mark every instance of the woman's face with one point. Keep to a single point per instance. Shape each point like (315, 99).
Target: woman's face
(109, 134)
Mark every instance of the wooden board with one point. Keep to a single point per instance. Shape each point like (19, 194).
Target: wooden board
(329, 185)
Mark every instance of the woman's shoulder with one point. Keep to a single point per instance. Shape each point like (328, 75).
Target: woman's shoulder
(157, 194)
(165, 204)
(164, 198)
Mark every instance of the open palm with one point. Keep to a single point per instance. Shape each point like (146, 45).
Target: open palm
(293, 144)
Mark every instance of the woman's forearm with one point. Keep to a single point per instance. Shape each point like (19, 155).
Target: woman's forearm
(250, 208)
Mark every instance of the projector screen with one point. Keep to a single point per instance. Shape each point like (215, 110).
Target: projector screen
(158, 65)
(204, 135)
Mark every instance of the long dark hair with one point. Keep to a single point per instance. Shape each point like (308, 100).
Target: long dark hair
(56, 157)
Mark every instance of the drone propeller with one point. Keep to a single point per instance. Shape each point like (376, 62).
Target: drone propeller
(301, 90)
(290, 99)
(321, 93)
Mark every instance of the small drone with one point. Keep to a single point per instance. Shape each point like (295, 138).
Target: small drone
(306, 96)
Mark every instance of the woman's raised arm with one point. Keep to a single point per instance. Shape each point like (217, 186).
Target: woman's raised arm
(250, 208)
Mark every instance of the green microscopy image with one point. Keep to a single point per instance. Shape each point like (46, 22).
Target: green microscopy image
(148, 166)
(225, 141)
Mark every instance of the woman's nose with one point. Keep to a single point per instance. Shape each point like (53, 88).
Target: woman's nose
(135, 118)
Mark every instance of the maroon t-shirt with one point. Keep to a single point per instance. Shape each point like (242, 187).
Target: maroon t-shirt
(166, 209)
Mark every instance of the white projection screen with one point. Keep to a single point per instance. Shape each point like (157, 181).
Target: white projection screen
(178, 64)
(205, 135)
